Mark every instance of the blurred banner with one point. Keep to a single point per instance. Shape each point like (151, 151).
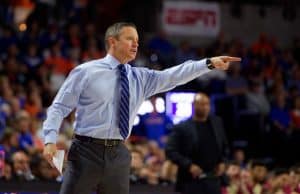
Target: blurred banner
(191, 18)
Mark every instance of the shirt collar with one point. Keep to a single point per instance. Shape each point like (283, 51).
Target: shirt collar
(112, 61)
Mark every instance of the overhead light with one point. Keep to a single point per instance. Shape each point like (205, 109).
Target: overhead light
(22, 27)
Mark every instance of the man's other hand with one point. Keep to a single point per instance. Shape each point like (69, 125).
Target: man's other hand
(49, 152)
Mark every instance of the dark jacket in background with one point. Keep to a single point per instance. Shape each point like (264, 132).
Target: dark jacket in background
(183, 146)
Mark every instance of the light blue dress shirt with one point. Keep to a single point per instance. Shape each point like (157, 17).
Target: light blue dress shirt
(92, 88)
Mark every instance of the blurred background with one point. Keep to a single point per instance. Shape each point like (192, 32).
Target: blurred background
(258, 99)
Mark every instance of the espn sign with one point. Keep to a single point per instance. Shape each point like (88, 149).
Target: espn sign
(191, 18)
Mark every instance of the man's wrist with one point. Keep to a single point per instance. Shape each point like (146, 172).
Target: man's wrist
(50, 137)
(209, 64)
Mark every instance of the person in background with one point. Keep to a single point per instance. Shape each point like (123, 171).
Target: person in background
(156, 125)
(21, 167)
(239, 157)
(26, 138)
(7, 172)
(198, 146)
(258, 172)
(256, 99)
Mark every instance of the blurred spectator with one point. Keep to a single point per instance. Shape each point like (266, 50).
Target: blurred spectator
(23, 126)
(156, 125)
(279, 114)
(21, 167)
(59, 65)
(7, 173)
(90, 34)
(73, 36)
(32, 59)
(235, 83)
(74, 54)
(7, 38)
(92, 51)
(294, 81)
(271, 68)
(259, 174)
(262, 45)
(141, 60)
(51, 35)
(10, 142)
(15, 104)
(92, 46)
(280, 183)
(295, 114)
(168, 172)
(256, 100)
(276, 84)
(43, 80)
(155, 151)
(16, 73)
(280, 129)
(152, 171)
(184, 52)
(239, 158)
(220, 46)
(35, 132)
(235, 183)
(6, 91)
(33, 104)
(12, 52)
(146, 166)
(137, 164)
(31, 36)
(161, 46)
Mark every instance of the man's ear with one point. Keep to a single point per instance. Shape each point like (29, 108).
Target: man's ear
(111, 41)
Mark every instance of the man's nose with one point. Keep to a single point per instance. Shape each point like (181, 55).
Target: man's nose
(135, 43)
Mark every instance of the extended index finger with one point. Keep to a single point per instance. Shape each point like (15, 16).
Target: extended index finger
(231, 59)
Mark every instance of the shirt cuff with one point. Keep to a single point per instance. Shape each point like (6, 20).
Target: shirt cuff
(51, 137)
(203, 66)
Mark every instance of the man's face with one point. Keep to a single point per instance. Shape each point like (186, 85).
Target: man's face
(126, 44)
(233, 171)
(201, 106)
(259, 173)
(21, 162)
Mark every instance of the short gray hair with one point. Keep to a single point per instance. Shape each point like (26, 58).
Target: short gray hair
(114, 31)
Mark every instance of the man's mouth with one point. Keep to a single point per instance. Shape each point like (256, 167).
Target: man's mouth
(133, 50)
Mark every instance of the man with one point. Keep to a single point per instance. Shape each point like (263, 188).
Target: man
(107, 94)
(21, 167)
(198, 146)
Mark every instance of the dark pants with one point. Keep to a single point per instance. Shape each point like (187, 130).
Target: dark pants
(92, 166)
(203, 186)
